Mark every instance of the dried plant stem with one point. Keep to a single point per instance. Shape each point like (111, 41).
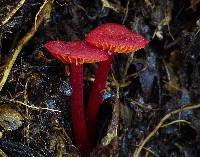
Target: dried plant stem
(33, 106)
(126, 11)
(149, 151)
(160, 124)
(176, 121)
(2, 154)
(27, 127)
(44, 14)
(10, 14)
(113, 127)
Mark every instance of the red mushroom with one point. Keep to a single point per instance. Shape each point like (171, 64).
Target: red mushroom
(115, 38)
(76, 53)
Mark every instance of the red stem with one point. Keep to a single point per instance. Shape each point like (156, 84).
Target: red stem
(77, 109)
(96, 95)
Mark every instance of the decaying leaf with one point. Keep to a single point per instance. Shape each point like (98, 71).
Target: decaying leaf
(172, 85)
(113, 127)
(126, 114)
(193, 4)
(10, 119)
(116, 7)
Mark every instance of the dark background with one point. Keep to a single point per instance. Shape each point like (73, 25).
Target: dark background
(160, 78)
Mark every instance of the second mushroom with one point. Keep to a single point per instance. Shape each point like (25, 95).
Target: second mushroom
(114, 38)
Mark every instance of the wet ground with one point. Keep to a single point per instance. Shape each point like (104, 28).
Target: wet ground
(35, 118)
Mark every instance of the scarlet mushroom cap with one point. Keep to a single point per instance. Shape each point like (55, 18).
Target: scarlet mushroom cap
(78, 52)
(56, 47)
(115, 38)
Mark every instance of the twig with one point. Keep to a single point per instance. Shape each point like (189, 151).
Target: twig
(10, 14)
(33, 106)
(128, 63)
(138, 72)
(3, 154)
(133, 102)
(39, 12)
(45, 13)
(176, 121)
(27, 127)
(112, 6)
(160, 124)
(126, 12)
(149, 150)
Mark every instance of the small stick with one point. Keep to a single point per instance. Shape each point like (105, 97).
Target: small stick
(10, 14)
(44, 14)
(33, 106)
(160, 124)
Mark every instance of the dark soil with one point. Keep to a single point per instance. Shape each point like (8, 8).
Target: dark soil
(161, 78)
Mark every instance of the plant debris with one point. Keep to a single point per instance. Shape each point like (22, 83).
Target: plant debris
(151, 100)
(10, 119)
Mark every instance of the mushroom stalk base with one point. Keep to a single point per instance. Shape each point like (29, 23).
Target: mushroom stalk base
(96, 95)
(77, 109)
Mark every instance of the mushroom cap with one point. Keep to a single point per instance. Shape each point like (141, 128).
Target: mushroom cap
(78, 52)
(116, 38)
(56, 47)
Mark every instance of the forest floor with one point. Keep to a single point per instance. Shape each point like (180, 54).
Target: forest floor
(155, 93)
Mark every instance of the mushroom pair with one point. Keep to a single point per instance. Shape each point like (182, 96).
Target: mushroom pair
(99, 46)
